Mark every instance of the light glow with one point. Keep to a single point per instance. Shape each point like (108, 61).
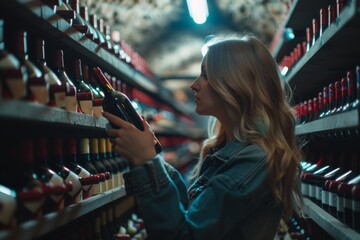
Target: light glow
(198, 10)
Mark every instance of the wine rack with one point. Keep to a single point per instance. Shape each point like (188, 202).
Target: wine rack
(29, 119)
(42, 19)
(328, 59)
(50, 222)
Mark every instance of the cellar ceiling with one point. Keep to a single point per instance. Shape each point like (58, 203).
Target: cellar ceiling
(163, 33)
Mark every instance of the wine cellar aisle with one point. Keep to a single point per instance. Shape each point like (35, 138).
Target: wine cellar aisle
(58, 171)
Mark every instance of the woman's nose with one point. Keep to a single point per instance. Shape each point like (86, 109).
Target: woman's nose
(194, 86)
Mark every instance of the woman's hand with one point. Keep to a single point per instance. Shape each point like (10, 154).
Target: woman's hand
(135, 145)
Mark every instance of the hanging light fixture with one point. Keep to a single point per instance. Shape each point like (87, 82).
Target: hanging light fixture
(198, 10)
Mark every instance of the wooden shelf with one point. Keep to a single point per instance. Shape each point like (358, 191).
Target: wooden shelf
(331, 225)
(57, 118)
(332, 123)
(299, 17)
(37, 228)
(34, 13)
(332, 55)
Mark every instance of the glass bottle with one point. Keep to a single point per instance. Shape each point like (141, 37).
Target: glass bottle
(70, 96)
(315, 31)
(355, 104)
(57, 90)
(19, 175)
(350, 91)
(355, 204)
(92, 34)
(331, 14)
(13, 75)
(114, 164)
(325, 102)
(323, 22)
(107, 164)
(343, 95)
(83, 92)
(98, 95)
(84, 159)
(38, 83)
(55, 186)
(95, 159)
(308, 38)
(94, 23)
(70, 161)
(119, 104)
(70, 178)
(7, 208)
(65, 12)
(331, 102)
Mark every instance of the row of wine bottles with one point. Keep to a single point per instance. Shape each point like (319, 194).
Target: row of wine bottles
(319, 24)
(338, 97)
(71, 85)
(39, 176)
(94, 28)
(331, 179)
(118, 219)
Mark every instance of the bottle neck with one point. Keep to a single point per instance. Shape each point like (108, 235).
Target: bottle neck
(84, 150)
(104, 84)
(40, 52)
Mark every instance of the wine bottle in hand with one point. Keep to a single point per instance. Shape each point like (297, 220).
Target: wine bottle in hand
(119, 104)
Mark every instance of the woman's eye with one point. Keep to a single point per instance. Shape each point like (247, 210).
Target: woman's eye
(204, 75)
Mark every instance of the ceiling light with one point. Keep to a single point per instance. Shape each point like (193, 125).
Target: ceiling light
(198, 10)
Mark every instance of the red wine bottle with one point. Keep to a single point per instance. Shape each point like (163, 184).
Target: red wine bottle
(13, 74)
(95, 158)
(119, 104)
(53, 184)
(70, 161)
(84, 95)
(7, 208)
(57, 90)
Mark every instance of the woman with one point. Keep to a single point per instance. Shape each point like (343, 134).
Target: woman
(246, 179)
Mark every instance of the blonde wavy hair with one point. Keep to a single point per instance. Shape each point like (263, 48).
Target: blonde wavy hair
(243, 72)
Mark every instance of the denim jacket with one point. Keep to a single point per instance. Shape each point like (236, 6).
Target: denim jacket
(230, 200)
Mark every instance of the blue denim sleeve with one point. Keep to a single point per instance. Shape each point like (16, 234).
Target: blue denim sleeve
(212, 214)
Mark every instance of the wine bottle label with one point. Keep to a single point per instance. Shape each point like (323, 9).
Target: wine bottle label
(116, 180)
(312, 192)
(325, 197)
(84, 173)
(59, 99)
(96, 189)
(84, 146)
(41, 93)
(355, 205)
(105, 186)
(8, 209)
(57, 198)
(9, 61)
(34, 206)
(86, 106)
(53, 79)
(318, 193)
(113, 181)
(332, 199)
(17, 87)
(340, 204)
(110, 182)
(97, 111)
(70, 103)
(121, 179)
(76, 184)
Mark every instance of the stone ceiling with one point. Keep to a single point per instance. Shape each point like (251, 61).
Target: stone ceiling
(163, 33)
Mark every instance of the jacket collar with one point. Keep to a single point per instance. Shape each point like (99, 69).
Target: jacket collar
(229, 150)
